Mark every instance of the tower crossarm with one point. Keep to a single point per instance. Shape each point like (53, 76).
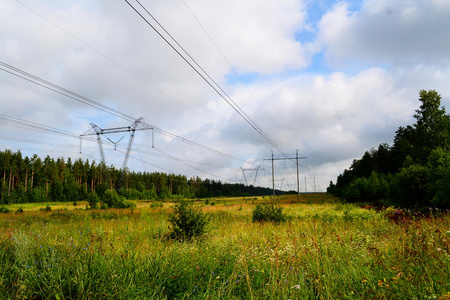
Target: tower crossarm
(96, 130)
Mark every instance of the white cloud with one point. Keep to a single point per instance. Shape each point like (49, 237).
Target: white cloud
(376, 61)
(394, 33)
(255, 36)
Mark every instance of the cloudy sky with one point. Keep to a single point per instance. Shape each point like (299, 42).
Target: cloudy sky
(240, 79)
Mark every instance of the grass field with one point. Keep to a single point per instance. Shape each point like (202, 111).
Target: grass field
(327, 250)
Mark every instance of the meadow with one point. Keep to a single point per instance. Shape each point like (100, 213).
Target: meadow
(326, 250)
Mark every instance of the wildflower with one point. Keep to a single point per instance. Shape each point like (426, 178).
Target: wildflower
(439, 249)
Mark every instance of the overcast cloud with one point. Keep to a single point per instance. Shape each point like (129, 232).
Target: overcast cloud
(329, 78)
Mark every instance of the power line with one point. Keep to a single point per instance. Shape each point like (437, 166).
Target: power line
(228, 62)
(104, 56)
(87, 101)
(179, 160)
(35, 126)
(203, 74)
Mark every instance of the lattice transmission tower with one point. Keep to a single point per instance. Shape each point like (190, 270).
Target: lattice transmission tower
(96, 130)
(250, 170)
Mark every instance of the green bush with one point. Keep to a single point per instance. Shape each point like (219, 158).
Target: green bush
(187, 221)
(47, 208)
(93, 199)
(111, 199)
(156, 204)
(268, 212)
(4, 210)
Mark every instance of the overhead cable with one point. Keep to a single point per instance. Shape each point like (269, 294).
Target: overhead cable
(87, 101)
(203, 74)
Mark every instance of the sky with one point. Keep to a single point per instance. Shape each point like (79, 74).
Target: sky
(223, 83)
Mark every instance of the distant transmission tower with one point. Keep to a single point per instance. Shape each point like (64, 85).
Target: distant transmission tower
(248, 170)
(100, 131)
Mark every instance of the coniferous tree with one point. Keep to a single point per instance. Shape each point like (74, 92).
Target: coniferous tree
(414, 168)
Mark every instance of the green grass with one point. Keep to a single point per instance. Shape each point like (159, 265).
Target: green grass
(327, 250)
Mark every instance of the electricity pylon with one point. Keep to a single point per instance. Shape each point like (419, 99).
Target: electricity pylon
(100, 131)
(256, 174)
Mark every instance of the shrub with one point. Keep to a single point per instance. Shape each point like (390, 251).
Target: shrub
(156, 204)
(47, 208)
(93, 199)
(187, 221)
(111, 199)
(268, 212)
(4, 210)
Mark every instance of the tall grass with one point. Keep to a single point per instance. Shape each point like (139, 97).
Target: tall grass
(326, 251)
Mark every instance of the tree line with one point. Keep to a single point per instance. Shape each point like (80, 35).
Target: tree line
(31, 179)
(412, 173)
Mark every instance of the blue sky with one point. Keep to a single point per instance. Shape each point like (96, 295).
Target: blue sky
(329, 78)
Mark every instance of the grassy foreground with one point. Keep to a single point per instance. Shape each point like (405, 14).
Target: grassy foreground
(327, 250)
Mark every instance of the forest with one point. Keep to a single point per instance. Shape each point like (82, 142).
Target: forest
(25, 179)
(412, 173)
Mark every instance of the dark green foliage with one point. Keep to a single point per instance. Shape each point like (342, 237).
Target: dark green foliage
(187, 221)
(26, 179)
(113, 200)
(438, 176)
(4, 210)
(414, 172)
(268, 212)
(47, 208)
(93, 199)
(410, 186)
(370, 189)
